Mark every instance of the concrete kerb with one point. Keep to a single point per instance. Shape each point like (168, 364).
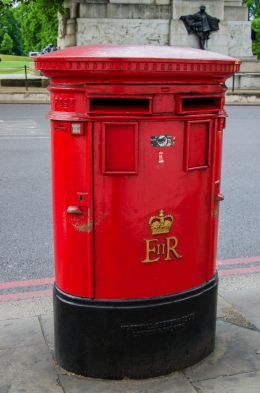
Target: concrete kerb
(244, 97)
(35, 96)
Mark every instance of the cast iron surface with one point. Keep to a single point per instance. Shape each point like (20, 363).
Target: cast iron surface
(134, 338)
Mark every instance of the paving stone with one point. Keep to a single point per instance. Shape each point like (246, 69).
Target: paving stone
(235, 352)
(240, 383)
(174, 383)
(20, 332)
(4, 388)
(28, 369)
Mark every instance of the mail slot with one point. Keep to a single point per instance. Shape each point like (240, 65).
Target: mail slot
(196, 104)
(136, 168)
(120, 105)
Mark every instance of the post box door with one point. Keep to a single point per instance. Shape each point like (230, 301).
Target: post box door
(72, 206)
(152, 203)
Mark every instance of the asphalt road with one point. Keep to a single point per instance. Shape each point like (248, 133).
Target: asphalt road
(25, 190)
(25, 193)
(239, 231)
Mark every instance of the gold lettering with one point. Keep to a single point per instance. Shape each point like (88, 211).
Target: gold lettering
(163, 248)
(171, 248)
(159, 247)
(149, 250)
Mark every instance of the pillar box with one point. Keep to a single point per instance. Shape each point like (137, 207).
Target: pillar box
(136, 169)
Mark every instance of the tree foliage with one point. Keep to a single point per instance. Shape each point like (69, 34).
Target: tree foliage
(256, 42)
(253, 8)
(7, 45)
(58, 4)
(36, 22)
(254, 15)
(9, 27)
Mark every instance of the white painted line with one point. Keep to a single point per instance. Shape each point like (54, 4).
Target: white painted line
(20, 125)
(24, 137)
(18, 121)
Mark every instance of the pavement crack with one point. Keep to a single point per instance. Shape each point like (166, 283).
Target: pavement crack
(42, 330)
(225, 375)
(45, 337)
(60, 384)
(196, 388)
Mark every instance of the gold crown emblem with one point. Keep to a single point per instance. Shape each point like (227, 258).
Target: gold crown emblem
(161, 223)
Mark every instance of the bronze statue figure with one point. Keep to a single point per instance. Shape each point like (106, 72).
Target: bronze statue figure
(201, 24)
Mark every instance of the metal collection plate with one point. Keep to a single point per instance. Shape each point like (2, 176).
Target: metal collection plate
(162, 141)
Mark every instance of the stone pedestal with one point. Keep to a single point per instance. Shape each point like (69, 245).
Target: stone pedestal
(157, 22)
(153, 22)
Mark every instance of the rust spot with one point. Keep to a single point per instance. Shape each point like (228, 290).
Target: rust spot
(83, 227)
(215, 212)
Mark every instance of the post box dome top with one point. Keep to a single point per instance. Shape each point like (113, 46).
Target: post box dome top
(133, 52)
(133, 60)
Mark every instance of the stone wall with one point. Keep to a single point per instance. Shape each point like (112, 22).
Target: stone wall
(153, 22)
(123, 31)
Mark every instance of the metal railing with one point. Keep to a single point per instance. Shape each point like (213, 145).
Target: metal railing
(22, 70)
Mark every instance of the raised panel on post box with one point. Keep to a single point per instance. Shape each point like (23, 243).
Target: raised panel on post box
(198, 144)
(120, 148)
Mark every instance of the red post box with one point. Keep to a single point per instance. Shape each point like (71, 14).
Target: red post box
(136, 162)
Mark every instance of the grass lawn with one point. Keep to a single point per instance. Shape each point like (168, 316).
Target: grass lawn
(14, 64)
(15, 58)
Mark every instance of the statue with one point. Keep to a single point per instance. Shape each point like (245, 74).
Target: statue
(201, 24)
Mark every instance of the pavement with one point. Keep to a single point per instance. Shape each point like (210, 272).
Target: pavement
(27, 360)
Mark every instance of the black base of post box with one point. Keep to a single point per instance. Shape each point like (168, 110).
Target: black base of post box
(134, 338)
